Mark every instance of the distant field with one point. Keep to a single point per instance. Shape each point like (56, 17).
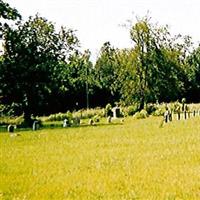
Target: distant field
(135, 160)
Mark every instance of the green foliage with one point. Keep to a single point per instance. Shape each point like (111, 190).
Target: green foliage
(12, 120)
(60, 117)
(15, 109)
(153, 69)
(141, 115)
(131, 110)
(6, 12)
(151, 108)
(31, 71)
(89, 113)
(159, 111)
(43, 71)
(106, 72)
(81, 114)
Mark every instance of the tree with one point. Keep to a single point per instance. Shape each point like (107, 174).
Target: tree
(79, 76)
(155, 67)
(32, 63)
(193, 75)
(6, 12)
(106, 72)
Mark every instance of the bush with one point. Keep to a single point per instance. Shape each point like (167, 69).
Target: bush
(90, 113)
(12, 120)
(150, 108)
(141, 115)
(81, 114)
(59, 117)
(132, 109)
(160, 110)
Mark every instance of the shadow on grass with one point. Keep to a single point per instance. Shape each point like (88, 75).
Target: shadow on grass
(3, 129)
(52, 126)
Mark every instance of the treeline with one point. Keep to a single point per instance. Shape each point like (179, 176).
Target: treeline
(43, 70)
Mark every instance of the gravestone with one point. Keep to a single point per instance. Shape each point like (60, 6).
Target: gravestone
(35, 125)
(91, 122)
(66, 123)
(116, 112)
(166, 116)
(11, 128)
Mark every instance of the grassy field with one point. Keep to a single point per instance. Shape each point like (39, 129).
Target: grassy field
(133, 160)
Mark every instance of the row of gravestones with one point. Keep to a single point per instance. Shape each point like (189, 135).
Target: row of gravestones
(77, 122)
(66, 123)
(115, 113)
(35, 127)
(168, 115)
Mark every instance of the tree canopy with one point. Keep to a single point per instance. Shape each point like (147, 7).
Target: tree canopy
(31, 69)
(43, 70)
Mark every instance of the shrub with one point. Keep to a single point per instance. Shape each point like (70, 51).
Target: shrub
(90, 113)
(160, 110)
(150, 108)
(141, 115)
(132, 110)
(81, 114)
(12, 120)
(59, 117)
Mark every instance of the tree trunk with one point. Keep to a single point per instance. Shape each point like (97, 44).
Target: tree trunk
(27, 118)
(141, 103)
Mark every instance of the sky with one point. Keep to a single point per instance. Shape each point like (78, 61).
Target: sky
(98, 21)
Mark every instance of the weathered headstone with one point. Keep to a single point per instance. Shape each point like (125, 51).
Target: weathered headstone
(116, 112)
(35, 125)
(66, 123)
(166, 115)
(91, 122)
(11, 128)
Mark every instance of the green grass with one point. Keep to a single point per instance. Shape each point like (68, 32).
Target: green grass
(136, 160)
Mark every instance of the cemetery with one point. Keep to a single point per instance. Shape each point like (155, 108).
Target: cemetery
(115, 123)
(109, 160)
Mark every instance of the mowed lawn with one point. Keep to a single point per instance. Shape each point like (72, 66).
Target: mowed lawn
(133, 160)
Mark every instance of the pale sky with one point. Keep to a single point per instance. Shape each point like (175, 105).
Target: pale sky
(98, 21)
